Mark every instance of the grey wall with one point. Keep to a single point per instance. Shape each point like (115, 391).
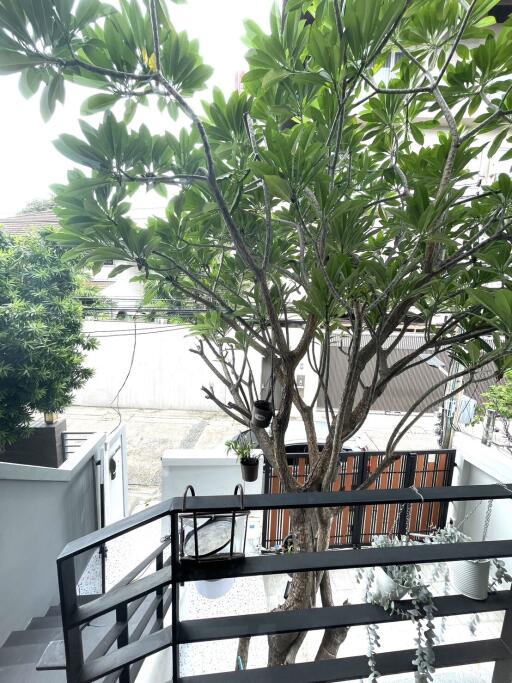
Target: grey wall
(37, 519)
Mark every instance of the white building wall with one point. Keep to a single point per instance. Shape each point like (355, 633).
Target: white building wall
(479, 464)
(164, 373)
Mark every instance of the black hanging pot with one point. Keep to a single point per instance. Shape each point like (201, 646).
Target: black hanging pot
(250, 468)
(261, 414)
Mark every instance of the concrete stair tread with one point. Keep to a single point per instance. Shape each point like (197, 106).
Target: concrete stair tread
(21, 654)
(26, 673)
(54, 610)
(35, 635)
(44, 622)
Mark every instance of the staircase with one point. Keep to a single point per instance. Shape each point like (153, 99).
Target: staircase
(23, 649)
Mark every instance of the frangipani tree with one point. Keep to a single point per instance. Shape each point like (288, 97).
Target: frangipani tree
(317, 194)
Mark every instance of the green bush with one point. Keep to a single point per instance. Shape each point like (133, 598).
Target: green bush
(41, 340)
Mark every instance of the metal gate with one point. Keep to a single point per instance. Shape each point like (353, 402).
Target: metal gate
(353, 527)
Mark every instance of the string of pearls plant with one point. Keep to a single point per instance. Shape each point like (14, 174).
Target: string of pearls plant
(387, 586)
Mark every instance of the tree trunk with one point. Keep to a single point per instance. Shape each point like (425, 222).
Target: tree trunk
(310, 530)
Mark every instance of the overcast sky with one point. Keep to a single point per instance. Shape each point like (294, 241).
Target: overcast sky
(29, 163)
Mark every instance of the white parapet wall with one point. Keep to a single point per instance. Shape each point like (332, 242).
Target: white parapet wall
(210, 471)
(480, 464)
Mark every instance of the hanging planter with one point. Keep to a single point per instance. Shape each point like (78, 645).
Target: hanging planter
(250, 468)
(261, 414)
(387, 588)
(471, 578)
(243, 448)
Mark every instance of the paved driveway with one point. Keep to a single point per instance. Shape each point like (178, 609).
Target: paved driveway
(150, 432)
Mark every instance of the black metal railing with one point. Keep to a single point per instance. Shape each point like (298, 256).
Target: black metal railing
(354, 527)
(132, 648)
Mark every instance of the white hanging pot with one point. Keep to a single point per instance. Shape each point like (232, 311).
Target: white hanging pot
(471, 578)
(386, 587)
(214, 589)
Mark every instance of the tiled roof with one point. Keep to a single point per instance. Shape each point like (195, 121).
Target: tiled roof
(28, 222)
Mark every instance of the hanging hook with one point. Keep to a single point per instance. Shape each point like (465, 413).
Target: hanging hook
(240, 488)
(191, 489)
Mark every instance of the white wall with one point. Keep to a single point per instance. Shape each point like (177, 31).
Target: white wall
(42, 509)
(164, 375)
(479, 464)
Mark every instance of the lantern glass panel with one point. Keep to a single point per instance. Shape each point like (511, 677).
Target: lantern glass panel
(213, 537)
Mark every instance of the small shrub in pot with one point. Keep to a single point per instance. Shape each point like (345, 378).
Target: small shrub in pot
(249, 463)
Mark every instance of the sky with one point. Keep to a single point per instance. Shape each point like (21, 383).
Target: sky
(29, 163)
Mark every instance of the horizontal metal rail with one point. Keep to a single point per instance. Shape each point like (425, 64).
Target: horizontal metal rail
(240, 626)
(350, 668)
(121, 596)
(133, 652)
(130, 592)
(288, 563)
(283, 500)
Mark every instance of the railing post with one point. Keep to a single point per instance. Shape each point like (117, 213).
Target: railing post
(409, 476)
(71, 634)
(122, 640)
(160, 590)
(175, 597)
(357, 480)
(503, 668)
(266, 489)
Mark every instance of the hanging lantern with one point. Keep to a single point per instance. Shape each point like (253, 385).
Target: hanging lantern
(212, 537)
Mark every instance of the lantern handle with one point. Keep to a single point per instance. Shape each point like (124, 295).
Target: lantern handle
(240, 489)
(191, 489)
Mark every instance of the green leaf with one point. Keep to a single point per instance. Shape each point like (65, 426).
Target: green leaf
(47, 103)
(98, 102)
(79, 151)
(86, 11)
(11, 61)
(30, 80)
(496, 143)
(504, 183)
(129, 110)
(279, 187)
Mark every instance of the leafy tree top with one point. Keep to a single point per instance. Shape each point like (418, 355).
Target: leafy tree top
(41, 340)
(316, 198)
(38, 205)
(499, 397)
(314, 195)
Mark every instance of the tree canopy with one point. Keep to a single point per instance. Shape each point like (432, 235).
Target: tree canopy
(41, 340)
(335, 193)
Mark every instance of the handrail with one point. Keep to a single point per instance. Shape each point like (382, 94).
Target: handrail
(132, 651)
(108, 533)
(276, 501)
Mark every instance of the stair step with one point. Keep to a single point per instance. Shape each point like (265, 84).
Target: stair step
(26, 673)
(35, 635)
(54, 610)
(45, 622)
(21, 654)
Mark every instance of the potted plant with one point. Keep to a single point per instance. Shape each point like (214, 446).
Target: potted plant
(469, 577)
(249, 462)
(395, 581)
(386, 586)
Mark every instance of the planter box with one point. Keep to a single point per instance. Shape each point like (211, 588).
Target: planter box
(43, 447)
